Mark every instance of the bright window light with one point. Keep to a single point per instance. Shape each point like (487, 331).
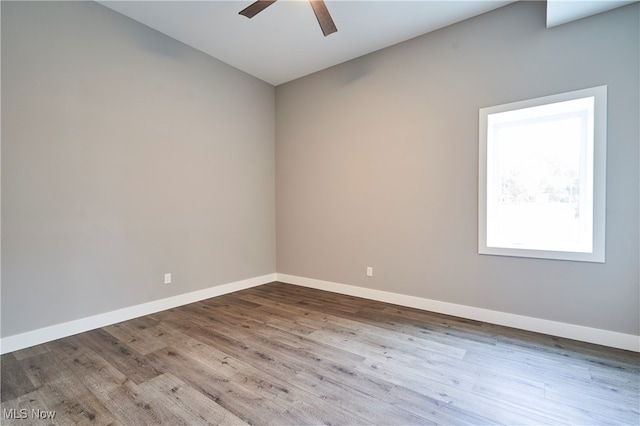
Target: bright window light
(542, 177)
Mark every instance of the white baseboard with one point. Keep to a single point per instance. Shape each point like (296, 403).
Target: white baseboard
(553, 328)
(58, 331)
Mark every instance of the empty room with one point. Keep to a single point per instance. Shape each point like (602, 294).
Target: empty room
(320, 212)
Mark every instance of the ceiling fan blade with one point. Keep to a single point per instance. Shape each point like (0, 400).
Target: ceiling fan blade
(254, 8)
(323, 16)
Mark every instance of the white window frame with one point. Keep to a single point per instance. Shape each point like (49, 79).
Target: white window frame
(595, 162)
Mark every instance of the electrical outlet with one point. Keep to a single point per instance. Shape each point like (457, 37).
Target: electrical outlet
(167, 278)
(369, 271)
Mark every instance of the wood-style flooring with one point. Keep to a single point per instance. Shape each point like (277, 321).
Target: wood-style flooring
(285, 355)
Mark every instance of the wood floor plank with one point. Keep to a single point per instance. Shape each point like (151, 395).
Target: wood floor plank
(440, 328)
(513, 363)
(32, 351)
(95, 373)
(13, 380)
(131, 405)
(434, 410)
(492, 393)
(272, 388)
(374, 335)
(399, 372)
(238, 400)
(124, 358)
(19, 411)
(311, 413)
(44, 368)
(612, 379)
(110, 386)
(598, 405)
(140, 337)
(284, 319)
(193, 407)
(614, 395)
(73, 403)
(334, 363)
(362, 405)
(61, 390)
(250, 353)
(305, 343)
(280, 354)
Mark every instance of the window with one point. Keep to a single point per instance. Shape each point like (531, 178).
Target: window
(542, 177)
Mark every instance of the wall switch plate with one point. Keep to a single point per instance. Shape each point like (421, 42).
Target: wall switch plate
(369, 271)
(167, 278)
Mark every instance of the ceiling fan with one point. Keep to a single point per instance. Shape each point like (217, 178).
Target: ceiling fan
(319, 8)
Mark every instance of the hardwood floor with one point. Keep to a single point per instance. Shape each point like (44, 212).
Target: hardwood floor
(282, 355)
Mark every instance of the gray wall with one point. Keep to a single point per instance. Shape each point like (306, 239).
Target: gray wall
(377, 165)
(125, 155)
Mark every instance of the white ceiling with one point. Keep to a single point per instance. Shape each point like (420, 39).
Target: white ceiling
(563, 11)
(284, 42)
